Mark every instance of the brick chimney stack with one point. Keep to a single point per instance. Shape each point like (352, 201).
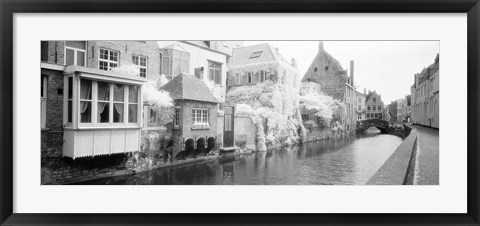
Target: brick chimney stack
(320, 46)
(352, 72)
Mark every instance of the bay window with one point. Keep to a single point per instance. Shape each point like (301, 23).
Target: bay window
(175, 61)
(108, 59)
(75, 53)
(102, 103)
(101, 113)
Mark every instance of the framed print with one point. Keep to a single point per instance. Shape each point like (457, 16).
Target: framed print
(251, 113)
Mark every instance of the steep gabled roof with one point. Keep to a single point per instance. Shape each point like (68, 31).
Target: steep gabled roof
(429, 71)
(321, 61)
(189, 87)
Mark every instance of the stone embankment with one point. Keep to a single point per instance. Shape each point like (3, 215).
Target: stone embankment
(400, 166)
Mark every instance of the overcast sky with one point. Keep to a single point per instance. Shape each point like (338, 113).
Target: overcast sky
(385, 66)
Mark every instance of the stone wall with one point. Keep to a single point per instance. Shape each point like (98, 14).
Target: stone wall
(52, 135)
(316, 133)
(400, 166)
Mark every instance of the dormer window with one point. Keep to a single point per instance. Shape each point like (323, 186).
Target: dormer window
(256, 54)
(315, 69)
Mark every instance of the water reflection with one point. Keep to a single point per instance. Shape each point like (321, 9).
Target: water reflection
(347, 160)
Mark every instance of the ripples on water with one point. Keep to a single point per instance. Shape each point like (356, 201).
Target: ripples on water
(348, 160)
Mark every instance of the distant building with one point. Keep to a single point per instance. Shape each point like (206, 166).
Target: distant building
(334, 80)
(425, 96)
(392, 110)
(374, 105)
(361, 109)
(401, 110)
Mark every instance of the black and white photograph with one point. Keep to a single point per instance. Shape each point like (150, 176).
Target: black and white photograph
(239, 112)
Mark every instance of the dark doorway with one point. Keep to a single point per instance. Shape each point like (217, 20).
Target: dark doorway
(228, 127)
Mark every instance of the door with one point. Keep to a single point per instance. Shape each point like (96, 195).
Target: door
(228, 126)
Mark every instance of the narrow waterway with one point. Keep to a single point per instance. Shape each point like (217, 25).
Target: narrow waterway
(347, 160)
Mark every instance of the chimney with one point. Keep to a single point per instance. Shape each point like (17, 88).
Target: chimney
(293, 63)
(351, 72)
(365, 91)
(320, 46)
(277, 50)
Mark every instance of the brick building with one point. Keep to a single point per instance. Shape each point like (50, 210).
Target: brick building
(374, 105)
(195, 122)
(83, 99)
(334, 80)
(392, 110)
(425, 96)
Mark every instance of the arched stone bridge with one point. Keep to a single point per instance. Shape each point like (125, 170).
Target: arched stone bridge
(363, 125)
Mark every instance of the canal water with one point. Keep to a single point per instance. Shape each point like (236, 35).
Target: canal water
(348, 160)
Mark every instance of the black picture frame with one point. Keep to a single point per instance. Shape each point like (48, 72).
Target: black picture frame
(9, 7)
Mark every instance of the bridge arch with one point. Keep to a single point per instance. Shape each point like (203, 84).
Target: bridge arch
(381, 125)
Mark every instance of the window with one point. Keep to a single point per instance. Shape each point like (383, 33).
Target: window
(103, 102)
(262, 76)
(176, 120)
(175, 62)
(199, 116)
(374, 99)
(108, 59)
(326, 68)
(379, 107)
(141, 62)
(374, 107)
(256, 54)
(215, 72)
(359, 107)
(369, 107)
(249, 78)
(75, 53)
(70, 99)
(315, 69)
(119, 102)
(43, 101)
(153, 119)
(133, 104)
(85, 101)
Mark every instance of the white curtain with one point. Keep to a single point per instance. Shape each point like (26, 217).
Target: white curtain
(85, 93)
(103, 95)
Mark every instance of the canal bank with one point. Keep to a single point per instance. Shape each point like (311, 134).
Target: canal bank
(399, 169)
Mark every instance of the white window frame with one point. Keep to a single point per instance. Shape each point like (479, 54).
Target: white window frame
(43, 102)
(249, 77)
(108, 60)
(94, 102)
(75, 50)
(214, 69)
(176, 117)
(204, 114)
(140, 66)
